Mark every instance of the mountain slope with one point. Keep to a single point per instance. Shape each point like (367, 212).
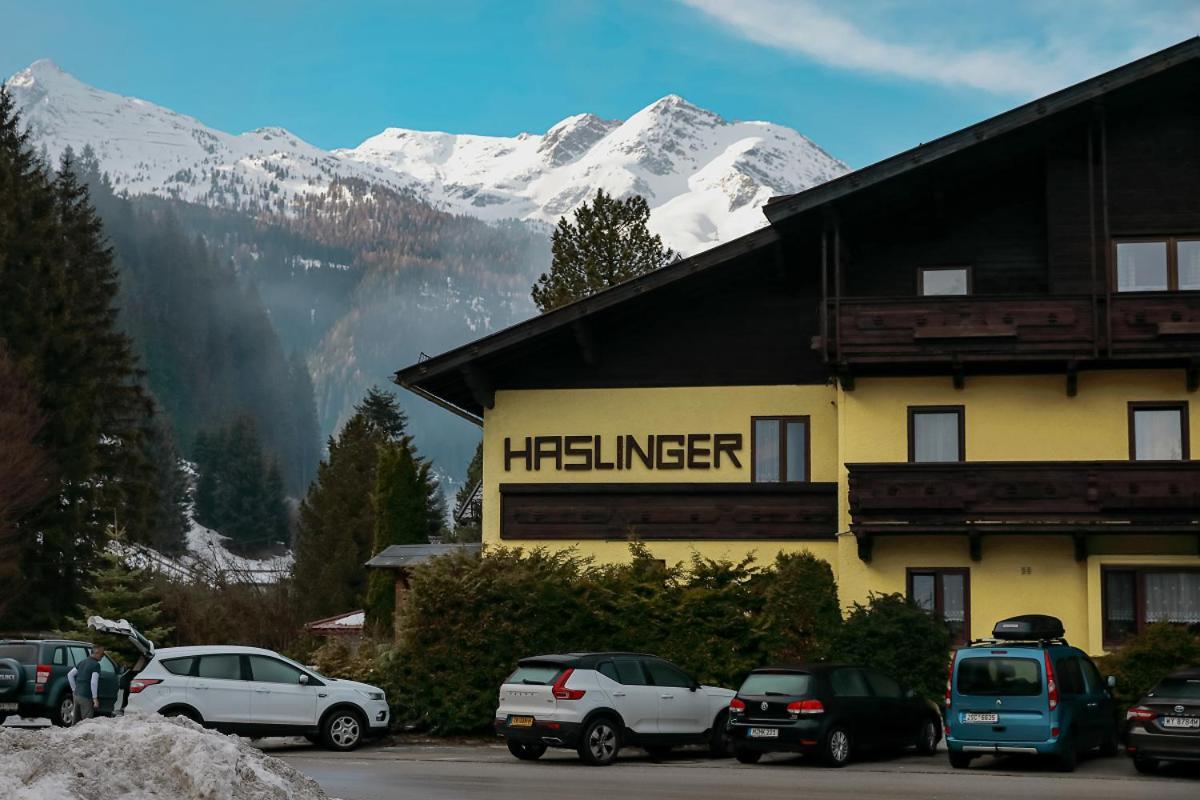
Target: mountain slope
(705, 178)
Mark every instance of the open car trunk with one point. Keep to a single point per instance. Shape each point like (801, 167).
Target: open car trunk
(124, 628)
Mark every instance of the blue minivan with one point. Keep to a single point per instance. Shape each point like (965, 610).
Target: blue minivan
(1026, 691)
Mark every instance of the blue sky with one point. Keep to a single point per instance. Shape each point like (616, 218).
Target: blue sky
(862, 78)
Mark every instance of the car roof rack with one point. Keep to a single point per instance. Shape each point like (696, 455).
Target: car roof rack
(1058, 640)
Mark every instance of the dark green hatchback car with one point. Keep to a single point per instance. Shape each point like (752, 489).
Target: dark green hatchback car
(33, 679)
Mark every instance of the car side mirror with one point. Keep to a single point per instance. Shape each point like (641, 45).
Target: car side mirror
(694, 687)
(1111, 680)
(910, 694)
(303, 679)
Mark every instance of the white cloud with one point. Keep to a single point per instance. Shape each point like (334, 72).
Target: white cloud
(1048, 46)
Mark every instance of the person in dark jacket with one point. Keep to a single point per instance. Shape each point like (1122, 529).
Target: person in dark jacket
(84, 679)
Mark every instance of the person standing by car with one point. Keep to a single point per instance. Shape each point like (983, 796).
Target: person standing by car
(84, 679)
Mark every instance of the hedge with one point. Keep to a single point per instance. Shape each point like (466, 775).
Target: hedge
(467, 621)
(1146, 659)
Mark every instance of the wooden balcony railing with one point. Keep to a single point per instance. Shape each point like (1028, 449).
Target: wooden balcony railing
(962, 330)
(1024, 497)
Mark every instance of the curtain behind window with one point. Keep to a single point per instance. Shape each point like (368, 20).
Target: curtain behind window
(1173, 597)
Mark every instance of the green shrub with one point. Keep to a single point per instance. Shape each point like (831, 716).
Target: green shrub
(1149, 657)
(467, 621)
(897, 637)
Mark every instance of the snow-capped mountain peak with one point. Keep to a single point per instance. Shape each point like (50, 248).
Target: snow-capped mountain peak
(705, 178)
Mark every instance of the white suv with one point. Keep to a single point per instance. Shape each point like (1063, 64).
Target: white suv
(599, 702)
(256, 692)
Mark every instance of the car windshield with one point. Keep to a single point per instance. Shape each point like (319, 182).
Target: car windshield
(1005, 677)
(535, 674)
(1178, 688)
(23, 653)
(789, 684)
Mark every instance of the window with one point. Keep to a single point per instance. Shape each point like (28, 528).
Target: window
(60, 657)
(935, 433)
(1005, 677)
(1167, 263)
(882, 685)
(1095, 684)
(1158, 431)
(945, 593)
(1133, 598)
(933, 281)
(78, 654)
(107, 667)
(609, 671)
(664, 674)
(179, 666)
(222, 667)
(1069, 676)
(780, 449)
(849, 683)
(791, 684)
(630, 673)
(24, 653)
(535, 674)
(268, 670)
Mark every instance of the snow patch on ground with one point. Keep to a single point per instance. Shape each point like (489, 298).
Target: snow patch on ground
(142, 757)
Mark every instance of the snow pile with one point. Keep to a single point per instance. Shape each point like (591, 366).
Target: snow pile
(139, 757)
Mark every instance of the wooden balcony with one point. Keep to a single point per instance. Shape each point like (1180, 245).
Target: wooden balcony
(867, 335)
(665, 511)
(975, 499)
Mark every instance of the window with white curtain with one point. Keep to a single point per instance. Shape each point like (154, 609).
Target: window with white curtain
(943, 592)
(1134, 597)
(935, 434)
(1159, 432)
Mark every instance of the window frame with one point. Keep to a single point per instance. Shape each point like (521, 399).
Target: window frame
(946, 268)
(1160, 405)
(1139, 596)
(783, 423)
(961, 411)
(939, 604)
(1172, 243)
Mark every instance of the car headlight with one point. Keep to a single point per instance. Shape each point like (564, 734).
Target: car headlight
(370, 695)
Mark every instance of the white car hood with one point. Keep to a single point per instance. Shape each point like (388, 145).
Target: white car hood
(337, 683)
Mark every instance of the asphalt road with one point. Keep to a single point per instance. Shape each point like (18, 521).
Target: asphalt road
(438, 772)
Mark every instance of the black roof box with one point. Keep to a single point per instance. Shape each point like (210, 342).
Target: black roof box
(1028, 628)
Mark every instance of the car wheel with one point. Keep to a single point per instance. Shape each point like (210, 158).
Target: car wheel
(959, 760)
(657, 752)
(1111, 744)
(835, 751)
(1146, 766)
(720, 743)
(600, 742)
(343, 730)
(63, 714)
(747, 756)
(927, 740)
(526, 751)
(1067, 757)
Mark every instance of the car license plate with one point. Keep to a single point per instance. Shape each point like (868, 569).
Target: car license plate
(8, 706)
(764, 733)
(981, 719)
(520, 722)
(1181, 722)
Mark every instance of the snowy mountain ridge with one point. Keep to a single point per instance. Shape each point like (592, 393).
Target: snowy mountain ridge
(704, 178)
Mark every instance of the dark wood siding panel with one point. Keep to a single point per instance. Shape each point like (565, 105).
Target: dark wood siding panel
(1154, 168)
(668, 511)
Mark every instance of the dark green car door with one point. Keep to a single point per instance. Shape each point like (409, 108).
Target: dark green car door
(109, 681)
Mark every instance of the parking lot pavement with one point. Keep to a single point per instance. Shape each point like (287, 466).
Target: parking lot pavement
(434, 772)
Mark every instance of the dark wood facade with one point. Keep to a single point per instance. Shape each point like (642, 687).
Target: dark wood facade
(664, 511)
(1000, 498)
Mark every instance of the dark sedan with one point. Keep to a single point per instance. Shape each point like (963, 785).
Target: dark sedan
(831, 710)
(1165, 724)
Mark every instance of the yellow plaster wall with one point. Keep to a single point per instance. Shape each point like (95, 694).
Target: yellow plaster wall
(613, 412)
(1007, 418)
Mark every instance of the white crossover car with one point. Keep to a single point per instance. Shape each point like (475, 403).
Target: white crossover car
(256, 692)
(596, 703)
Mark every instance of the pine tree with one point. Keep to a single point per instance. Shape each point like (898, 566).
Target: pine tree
(470, 529)
(608, 243)
(119, 591)
(402, 516)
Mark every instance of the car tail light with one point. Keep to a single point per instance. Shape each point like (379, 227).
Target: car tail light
(736, 706)
(143, 683)
(806, 707)
(561, 692)
(1051, 686)
(43, 677)
(1140, 714)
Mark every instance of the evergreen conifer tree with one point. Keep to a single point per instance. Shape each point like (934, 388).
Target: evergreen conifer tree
(402, 516)
(470, 529)
(607, 243)
(118, 591)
